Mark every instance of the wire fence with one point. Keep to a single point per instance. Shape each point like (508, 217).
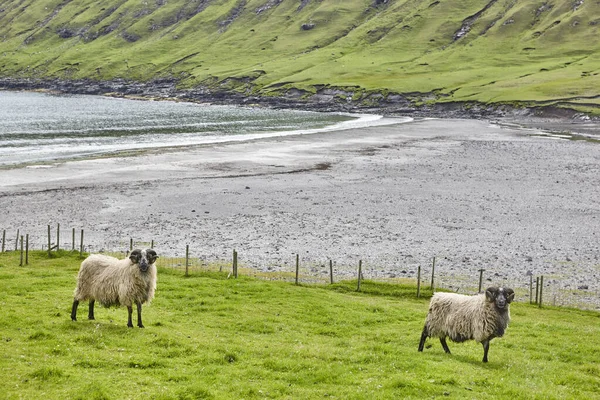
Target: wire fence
(432, 274)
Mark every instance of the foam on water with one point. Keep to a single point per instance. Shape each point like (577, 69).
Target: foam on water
(39, 128)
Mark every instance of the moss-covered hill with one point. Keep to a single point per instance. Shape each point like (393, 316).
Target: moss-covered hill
(489, 51)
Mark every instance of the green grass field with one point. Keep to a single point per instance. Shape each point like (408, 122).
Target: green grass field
(209, 337)
(526, 52)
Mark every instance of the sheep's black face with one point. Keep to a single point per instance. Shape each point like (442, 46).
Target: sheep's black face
(144, 258)
(502, 297)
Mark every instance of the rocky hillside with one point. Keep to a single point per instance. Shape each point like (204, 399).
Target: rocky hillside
(543, 52)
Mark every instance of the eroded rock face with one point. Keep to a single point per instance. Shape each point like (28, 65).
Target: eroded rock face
(303, 4)
(470, 20)
(268, 5)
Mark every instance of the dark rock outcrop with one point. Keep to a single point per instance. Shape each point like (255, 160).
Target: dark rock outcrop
(325, 98)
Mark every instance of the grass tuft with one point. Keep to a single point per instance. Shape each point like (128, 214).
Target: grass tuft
(47, 373)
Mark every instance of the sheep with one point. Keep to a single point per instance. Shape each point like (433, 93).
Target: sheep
(115, 282)
(481, 317)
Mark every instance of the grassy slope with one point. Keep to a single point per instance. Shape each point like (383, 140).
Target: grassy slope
(211, 337)
(527, 50)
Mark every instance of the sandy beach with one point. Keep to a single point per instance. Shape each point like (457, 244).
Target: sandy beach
(473, 194)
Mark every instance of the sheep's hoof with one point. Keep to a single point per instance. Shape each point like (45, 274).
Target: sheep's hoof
(141, 326)
(130, 325)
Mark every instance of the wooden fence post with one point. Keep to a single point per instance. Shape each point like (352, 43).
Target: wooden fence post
(130, 244)
(21, 262)
(531, 289)
(541, 290)
(359, 275)
(3, 239)
(297, 267)
(27, 250)
(480, 279)
(187, 258)
(49, 241)
(57, 237)
(17, 241)
(81, 245)
(537, 289)
(235, 264)
(432, 273)
(152, 244)
(73, 241)
(331, 271)
(419, 282)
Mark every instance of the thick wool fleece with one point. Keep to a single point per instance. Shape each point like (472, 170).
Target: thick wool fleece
(462, 317)
(114, 282)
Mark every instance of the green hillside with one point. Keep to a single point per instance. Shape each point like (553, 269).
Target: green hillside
(209, 337)
(488, 51)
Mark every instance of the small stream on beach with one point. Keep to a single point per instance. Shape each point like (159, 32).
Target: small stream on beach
(42, 127)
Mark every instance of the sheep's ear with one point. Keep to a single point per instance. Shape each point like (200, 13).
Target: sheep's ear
(510, 295)
(491, 293)
(152, 256)
(135, 256)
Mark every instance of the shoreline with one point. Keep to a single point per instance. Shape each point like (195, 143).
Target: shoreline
(329, 99)
(471, 193)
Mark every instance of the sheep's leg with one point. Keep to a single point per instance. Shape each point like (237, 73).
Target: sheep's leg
(486, 348)
(444, 345)
(91, 310)
(139, 314)
(129, 312)
(424, 336)
(74, 310)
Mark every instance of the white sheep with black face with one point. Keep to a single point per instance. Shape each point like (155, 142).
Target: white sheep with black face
(114, 282)
(481, 317)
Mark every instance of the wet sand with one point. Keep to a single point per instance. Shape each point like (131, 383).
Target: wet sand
(471, 193)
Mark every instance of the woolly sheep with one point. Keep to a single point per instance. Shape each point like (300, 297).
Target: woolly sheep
(114, 282)
(481, 317)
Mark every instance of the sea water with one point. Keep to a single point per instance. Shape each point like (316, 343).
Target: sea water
(41, 127)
